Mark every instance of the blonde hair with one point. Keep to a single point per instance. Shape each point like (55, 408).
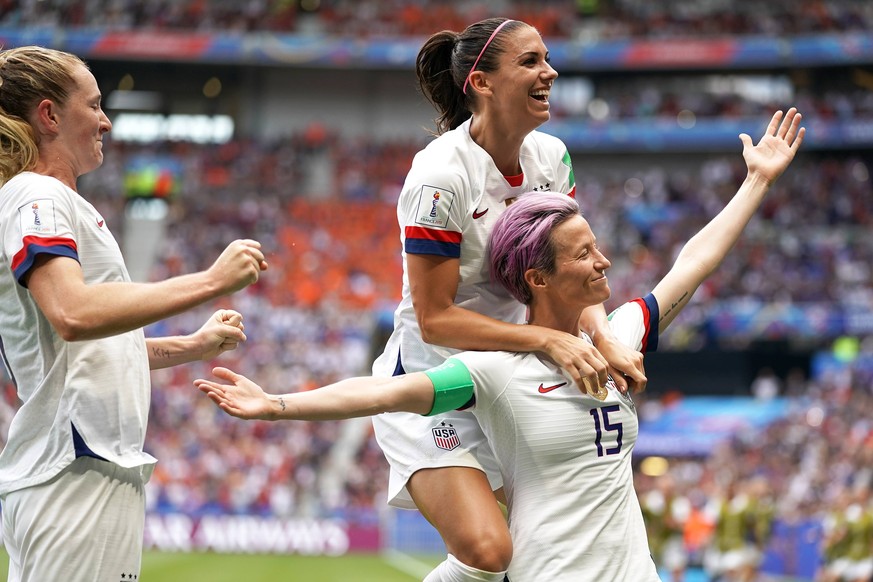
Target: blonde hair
(28, 75)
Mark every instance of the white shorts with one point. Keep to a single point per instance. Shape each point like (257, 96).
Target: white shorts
(412, 442)
(84, 525)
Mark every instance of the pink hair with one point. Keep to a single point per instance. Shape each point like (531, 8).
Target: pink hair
(522, 239)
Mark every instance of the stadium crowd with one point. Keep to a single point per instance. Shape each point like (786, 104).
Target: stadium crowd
(813, 229)
(582, 19)
(810, 470)
(335, 269)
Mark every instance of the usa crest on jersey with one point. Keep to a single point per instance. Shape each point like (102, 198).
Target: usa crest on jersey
(446, 437)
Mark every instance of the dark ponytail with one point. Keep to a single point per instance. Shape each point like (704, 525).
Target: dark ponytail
(444, 62)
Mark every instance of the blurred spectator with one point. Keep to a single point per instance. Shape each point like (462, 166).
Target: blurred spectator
(766, 384)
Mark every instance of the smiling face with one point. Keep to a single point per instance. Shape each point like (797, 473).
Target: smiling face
(83, 123)
(579, 278)
(524, 77)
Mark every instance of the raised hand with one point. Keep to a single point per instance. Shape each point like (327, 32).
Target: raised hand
(776, 148)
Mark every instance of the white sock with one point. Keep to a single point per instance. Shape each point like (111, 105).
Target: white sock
(453, 570)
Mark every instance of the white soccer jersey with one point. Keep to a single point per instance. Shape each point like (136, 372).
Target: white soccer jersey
(566, 462)
(84, 397)
(452, 196)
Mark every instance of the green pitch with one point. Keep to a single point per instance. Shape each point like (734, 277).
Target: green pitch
(173, 567)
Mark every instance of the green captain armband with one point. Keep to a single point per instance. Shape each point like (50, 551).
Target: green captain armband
(452, 386)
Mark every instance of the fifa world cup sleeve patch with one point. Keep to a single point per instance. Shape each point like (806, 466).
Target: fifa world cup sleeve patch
(37, 217)
(452, 386)
(434, 205)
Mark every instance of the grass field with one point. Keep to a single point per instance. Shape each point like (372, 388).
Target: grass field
(173, 567)
(178, 567)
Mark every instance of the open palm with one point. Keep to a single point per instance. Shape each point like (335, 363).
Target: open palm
(776, 148)
(241, 398)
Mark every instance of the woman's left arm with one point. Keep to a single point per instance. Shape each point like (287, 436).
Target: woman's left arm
(705, 251)
(223, 331)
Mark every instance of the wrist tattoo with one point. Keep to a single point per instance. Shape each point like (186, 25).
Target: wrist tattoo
(282, 403)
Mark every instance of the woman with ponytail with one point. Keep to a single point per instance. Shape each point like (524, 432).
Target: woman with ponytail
(490, 85)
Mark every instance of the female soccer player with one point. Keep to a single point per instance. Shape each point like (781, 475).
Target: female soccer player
(490, 85)
(564, 454)
(73, 469)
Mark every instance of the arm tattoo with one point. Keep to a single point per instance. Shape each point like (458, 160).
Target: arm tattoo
(282, 403)
(160, 352)
(674, 305)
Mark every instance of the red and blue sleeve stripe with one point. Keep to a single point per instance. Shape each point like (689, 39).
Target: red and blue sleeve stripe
(37, 245)
(427, 241)
(649, 307)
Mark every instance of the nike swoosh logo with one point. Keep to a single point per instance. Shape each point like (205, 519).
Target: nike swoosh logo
(547, 389)
(477, 214)
(100, 223)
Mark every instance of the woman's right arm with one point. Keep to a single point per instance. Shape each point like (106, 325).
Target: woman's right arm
(80, 311)
(349, 398)
(433, 284)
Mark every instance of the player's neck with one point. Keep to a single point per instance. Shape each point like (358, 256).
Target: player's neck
(560, 319)
(59, 171)
(502, 146)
